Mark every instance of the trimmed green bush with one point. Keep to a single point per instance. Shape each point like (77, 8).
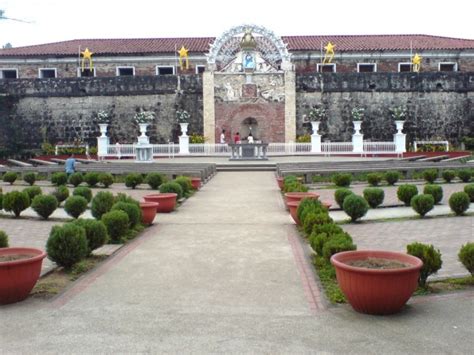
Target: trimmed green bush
(133, 180)
(321, 234)
(59, 179)
(406, 192)
(132, 210)
(75, 206)
(434, 190)
(44, 205)
(342, 180)
(459, 202)
(448, 175)
(101, 203)
(116, 223)
(308, 205)
(67, 245)
(121, 197)
(33, 191)
(83, 191)
(431, 259)
(374, 196)
(469, 189)
(10, 177)
(355, 206)
(312, 219)
(29, 178)
(91, 179)
(374, 179)
(155, 180)
(422, 204)
(392, 177)
(16, 202)
(466, 257)
(172, 187)
(61, 193)
(341, 194)
(463, 174)
(96, 233)
(295, 187)
(3, 239)
(75, 179)
(430, 175)
(336, 244)
(106, 179)
(185, 183)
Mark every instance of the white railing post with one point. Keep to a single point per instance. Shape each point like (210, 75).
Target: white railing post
(399, 139)
(315, 137)
(357, 138)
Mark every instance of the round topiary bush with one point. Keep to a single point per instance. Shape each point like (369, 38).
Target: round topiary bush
(434, 190)
(430, 175)
(33, 191)
(431, 259)
(61, 193)
(459, 202)
(392, 177)
(374, 179)
(116, 223)
(59, 179)
(132, 210)
(75, 179)
(306, 206)
(16, 202)
(96, 233)
(466, 257)
(469, 189)
(44, 205)
(448, 175)
(121, 197)
(465, 175)
(374, 196)
(101, 203)
(10, 177)
(355, 206)
(29, 178)
(67, 245)
(342, 180)
(185, 183)
(341, 194)
(3, 239)
(75, 206)
(91, 178)
(83, 191)
(106, 179)
(422, 204)
(133, 180)
(406, 192)
(155, 180)
(336, 244)
(172, 187)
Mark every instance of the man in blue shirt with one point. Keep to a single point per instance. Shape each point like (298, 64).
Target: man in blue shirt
(70, 165)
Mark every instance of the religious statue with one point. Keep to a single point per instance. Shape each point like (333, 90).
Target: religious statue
(248, 41)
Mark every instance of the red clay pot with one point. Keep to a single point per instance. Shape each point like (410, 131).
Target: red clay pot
(166, 201)
(196, 182)
(18, 277)
(298, 196)
(148, 211)
(376, 291)
(280, 182)
(293, 207)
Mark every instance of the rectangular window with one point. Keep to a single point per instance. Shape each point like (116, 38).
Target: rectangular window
(164, 70)
(86, 73)
(448, 67)
(200, 69)
(326, 68)
(125, 71)
(404, 67)
(8, 73)
(366, 67)
(46, 73)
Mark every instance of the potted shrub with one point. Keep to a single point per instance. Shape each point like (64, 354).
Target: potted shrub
(196, 182)
(298, 196)
(375, 281)
(166, 201)
(148, 211)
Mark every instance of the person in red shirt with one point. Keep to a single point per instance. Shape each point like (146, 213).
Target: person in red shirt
(237, 138)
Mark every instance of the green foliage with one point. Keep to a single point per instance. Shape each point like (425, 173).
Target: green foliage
(306, 206)
(321, 234)
(33, 191)
(430, 175)
(374, 196)
(295, 187)
(459, 202)
(133, 180)
(117, 224)
(392, 177)
(185, 183)
(448, 175)
(311, 219)
(121, 197)
(422, 204)
(10, 177)
(463, 174)
(16, 202)
(83, 191)
(101, 203)
(406, 192)
(341, 194)
(431, 259)
(44, 205)
(61, 193)
(75, 206)
(469, 143)
(305, 138)
(466, 257)
(67, 245)
(3, 239)
(355, 206)
(434, 190)
(29, 178)
(96, 233)
(172, 187)
(47, 148)
(374, 179)
(336, 244)
(155, 180)
(106, 179)
(195, 138)
(91, 178)
(75, 179)
(133, 212)
(327, 275)
(469, 189)
(59, 179)
(342, 180)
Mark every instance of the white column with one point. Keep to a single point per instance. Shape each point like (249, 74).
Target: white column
(184, 139)
(143, 138)
(357, 138)
(399, 138)
(102, 141)
(315, 138)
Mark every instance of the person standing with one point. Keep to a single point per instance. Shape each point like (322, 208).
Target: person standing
(70, 165)
(250, 138)
(222, 138)
(237, 138)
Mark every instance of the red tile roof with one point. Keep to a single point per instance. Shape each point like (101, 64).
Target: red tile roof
(138, 46)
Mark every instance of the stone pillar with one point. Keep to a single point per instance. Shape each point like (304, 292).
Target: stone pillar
(184, 139)
(315, 138)
(102, 141)
(290, 106)
(357, 138)
(143, 138)
(209, 119)
(399, 138)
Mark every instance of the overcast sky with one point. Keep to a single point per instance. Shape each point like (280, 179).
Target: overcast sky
(58, 20)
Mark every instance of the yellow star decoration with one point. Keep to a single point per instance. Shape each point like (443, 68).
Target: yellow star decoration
(329, 55)
(183, 54)
(416, 61)
(86, 55)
